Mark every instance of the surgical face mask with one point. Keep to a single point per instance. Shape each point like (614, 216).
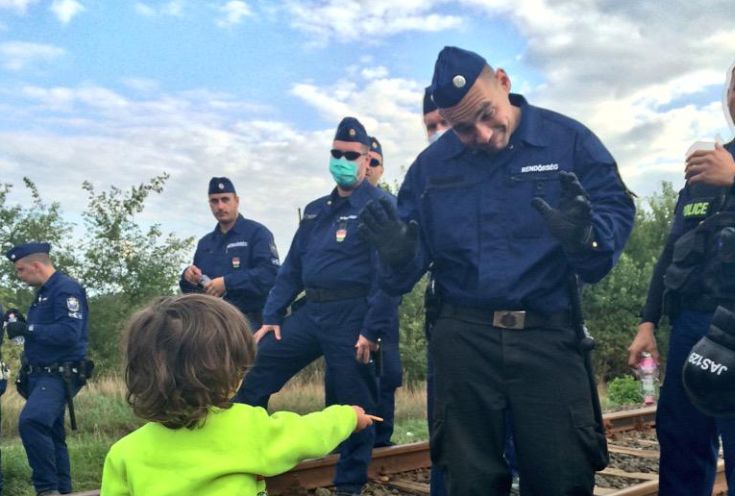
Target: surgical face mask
(436, 136)
(343, 171)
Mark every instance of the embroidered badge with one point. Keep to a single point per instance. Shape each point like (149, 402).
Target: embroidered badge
(341, 231)
(72, 304)
(235, 262)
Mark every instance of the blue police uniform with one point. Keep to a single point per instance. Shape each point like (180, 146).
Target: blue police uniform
(337, 269)
(247, 258)
(492, 252)
(688, 439)
(57, 324)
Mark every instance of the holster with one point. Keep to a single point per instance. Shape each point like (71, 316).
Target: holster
(586, 345)
(21, 383)
(432, 307)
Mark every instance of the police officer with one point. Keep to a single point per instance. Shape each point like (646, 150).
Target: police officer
(391, 373)
(55, 335)
(434, 123)
(238, 260)
(695, 272)
(507, 207)
(3, 387)
(345, 312)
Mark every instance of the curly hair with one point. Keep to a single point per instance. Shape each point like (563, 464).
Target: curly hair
(184, 355)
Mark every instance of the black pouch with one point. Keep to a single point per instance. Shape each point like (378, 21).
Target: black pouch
(21, 383)
(84, 372)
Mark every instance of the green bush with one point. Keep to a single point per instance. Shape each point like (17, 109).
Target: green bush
(624, 391)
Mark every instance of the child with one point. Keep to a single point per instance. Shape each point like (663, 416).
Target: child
(186, 357)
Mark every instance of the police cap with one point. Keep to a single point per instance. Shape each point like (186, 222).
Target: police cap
(17, 252)
(429, 105)
(375, 146)
(350, 129)
(709, 371)
(455, 71)
(221, 185)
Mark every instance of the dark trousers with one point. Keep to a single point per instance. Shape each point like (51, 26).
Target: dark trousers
(41, 428)
(387, 383)
(330, 329)
(436, 481)
(534, 376)
(689, 440)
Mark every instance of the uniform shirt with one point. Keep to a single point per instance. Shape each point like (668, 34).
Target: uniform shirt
(327, 252)
(59, 316)
(694, 204)
(229, 455)
(490, 248)
(247, 258)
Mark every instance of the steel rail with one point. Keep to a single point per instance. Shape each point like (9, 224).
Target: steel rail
(312, 474)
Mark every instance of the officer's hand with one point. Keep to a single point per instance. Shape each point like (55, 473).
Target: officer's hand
(394, 239)
(265, 329)
(571, 222)
(644, 340)
(193, 275)
(215, 287)
(364, 346)
(13, 311)
(363, 421)
(17, 328)
(715, 167)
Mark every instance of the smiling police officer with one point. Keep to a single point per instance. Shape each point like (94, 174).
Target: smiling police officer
(238, 260)
(53, 364)
(508, 207)
(344, 313)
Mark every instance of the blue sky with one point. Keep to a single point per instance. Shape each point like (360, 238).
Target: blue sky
(115, 92)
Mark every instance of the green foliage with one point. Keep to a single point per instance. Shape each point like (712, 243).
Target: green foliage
(612, 306)
(412, 336)
(120, 265)
(624, 390)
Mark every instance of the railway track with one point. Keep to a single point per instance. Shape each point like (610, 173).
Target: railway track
(396, 467)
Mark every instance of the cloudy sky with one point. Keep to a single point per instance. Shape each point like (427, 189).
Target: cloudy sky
(115, 92)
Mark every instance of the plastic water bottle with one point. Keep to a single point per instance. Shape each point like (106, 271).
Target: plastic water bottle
(18, 340)
(648, 373)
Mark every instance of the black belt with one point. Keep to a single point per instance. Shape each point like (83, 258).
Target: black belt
(54, 368)
(318, 294)
(507, 319)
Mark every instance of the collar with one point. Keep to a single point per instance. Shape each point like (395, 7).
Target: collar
(237, 228)
(50, 282)
(359, 197)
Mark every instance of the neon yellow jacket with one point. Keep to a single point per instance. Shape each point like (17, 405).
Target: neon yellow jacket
(229, 455)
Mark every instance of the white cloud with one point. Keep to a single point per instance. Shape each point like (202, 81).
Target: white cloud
(19, 6)
(173, 8)
(233, 13)
(349, 20)
(17, 55)
(65, 10)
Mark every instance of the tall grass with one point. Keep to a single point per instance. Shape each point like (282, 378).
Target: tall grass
(104, 417)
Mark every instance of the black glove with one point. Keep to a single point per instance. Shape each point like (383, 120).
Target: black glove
(17, 328)
(394, 239)
(571, 223)
(709, 371)
(13, 311)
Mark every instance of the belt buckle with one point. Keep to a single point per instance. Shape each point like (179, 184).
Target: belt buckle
(509, 319)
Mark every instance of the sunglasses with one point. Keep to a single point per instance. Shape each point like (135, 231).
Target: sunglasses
(374, 162)
(348, 155)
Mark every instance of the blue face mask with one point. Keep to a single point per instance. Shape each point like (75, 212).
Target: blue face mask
(343, 171)
(436, 136)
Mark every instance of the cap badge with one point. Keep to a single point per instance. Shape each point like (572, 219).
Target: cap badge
(352, 133)
(459, 81)
(221, 186)
(375, 145)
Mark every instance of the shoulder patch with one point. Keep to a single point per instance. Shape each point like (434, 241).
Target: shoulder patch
(72, 304)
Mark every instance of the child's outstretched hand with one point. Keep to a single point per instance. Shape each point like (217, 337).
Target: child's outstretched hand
(363, 420)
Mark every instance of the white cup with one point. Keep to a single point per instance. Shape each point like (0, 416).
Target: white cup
(701, 145)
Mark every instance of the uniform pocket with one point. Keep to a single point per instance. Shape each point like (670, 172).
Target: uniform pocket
(593, 442)
(453, 211)
(526, 221)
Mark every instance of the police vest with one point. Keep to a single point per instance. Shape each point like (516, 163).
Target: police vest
(702, 270)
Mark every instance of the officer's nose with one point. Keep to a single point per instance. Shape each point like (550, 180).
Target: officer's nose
(483, 134)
